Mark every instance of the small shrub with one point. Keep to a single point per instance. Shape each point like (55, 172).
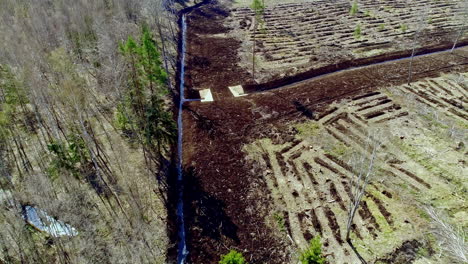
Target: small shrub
(381, 26)
(233, 257)
(280, 221)
(404, 27)
(357, 32)
(354, 9)
(313, 254)
(307, 129)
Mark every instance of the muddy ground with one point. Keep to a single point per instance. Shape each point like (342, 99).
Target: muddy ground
(226, 197)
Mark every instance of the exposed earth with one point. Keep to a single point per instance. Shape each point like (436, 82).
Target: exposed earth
(268, 171)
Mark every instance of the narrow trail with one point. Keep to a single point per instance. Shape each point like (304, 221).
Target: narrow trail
(294, 83)
(182, 246)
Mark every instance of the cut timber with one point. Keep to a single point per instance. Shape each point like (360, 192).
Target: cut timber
(237, 90)
(206, 95)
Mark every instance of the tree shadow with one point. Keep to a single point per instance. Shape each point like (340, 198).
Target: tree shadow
(204, 213)
(303, 109)
(203, 123)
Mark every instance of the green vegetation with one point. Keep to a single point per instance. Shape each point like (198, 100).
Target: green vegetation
(403, 27)
(279, 218)
(313, 254)
(67, 90)
(258, 7)
(83, 40)
(69, 156)
(307, 129)
(233, 257)
(337, 150)
(13, 100)
(381, 26)
(142, 109)
(354, 9)
(357, 31)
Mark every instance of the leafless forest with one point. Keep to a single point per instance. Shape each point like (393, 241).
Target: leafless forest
(71, 143)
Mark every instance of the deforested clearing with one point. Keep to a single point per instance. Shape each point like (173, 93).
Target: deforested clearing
(249, 131)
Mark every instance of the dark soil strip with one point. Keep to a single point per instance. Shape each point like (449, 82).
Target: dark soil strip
(297, 153)
(336, 196)
(316, 222)
(336, 118)
(333, 224)
(396, 177)
(347, 188)
(365, 95)
(340, 163)
(392, 117)
(440, 87)
(430, 88)
(388, 194)
(286, 222)
(358, 140)
(322, 163)
(356, 230)
(384, 101)
(382, 209)
(457, 113)
(303, 220)
(282, 164)
(268, 164)
(371, 100)
(406, 253)
(382, 111)
(374, 114)
(412, 175)
(266, 158)
(294, 168)
(294, 143)
(427, 97)
(367, 215)
(454, 103)
(340, 139)
(308, 169)
(359, 118)
(356, 125)
(326, 113)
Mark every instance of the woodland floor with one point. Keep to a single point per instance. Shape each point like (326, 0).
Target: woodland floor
(282, 154)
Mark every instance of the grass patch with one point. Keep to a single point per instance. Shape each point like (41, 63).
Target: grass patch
(279, 218)
(307, 129)
(354, 9)
(431, 166)
(357, 31)
(404, 27)
(337, 150)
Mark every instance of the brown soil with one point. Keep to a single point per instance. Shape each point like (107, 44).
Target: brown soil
(407, 253)
(211, 60)
(227, 200)
(229, 187)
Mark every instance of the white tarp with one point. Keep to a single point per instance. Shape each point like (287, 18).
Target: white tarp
(42, 221)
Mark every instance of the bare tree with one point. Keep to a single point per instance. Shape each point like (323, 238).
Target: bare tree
(70, 69)
(420, 25)
(452, 241)
(364, 169)
(463, 18)
(259, 9)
